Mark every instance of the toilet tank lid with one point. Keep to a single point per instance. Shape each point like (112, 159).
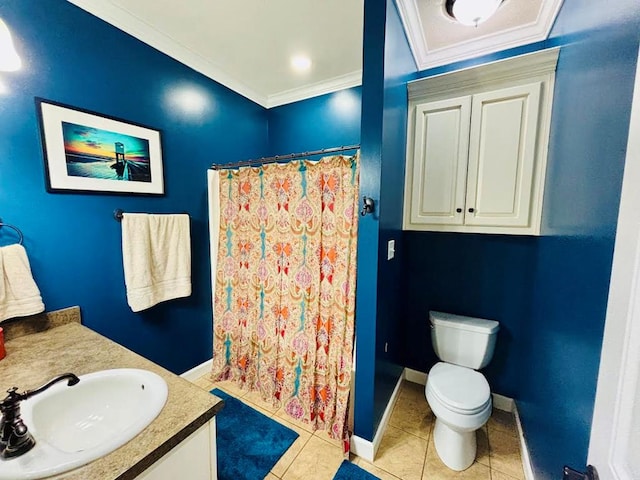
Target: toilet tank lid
(464, 323)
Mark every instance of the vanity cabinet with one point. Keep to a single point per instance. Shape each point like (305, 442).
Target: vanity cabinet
(194, 458)
(477, 144)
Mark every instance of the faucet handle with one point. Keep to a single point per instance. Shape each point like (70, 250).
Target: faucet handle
(12, 398)
(15, 438)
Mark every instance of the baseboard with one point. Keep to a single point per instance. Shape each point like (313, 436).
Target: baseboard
(526, 459)
(415, 376)
(199, 370)
(367, 449)
(503, 403)
(362, 448)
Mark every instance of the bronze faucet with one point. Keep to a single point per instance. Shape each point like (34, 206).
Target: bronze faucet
(15, 439)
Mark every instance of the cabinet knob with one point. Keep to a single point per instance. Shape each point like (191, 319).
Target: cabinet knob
(471, 210)
(459, 210)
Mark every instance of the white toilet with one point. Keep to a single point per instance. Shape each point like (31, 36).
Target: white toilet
(458, 395)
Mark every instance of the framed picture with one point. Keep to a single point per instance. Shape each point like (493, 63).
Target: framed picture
(88, 152)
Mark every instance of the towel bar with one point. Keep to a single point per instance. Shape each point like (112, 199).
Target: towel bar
(16, 229)
(118, 212)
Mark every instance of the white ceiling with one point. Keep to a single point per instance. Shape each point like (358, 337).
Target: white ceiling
(436, 39)
(247, 45)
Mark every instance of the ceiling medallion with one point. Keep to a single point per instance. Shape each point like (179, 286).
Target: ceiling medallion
(471, 12)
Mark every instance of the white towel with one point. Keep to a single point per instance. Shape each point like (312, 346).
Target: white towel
(156, 253)
(19, 294)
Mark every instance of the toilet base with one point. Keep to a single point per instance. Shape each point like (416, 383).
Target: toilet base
(457, 450)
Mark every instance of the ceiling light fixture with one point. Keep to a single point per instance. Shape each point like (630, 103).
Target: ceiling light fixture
(471, 12)
(9, 59)
(301, 63)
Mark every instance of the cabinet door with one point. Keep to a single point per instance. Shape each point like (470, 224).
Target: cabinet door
(502, 155)
(439, 162)
(192, 459)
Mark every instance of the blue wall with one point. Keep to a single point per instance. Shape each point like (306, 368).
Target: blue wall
(72, 240)
(387, 66)
(487, 276)
(371, 155)
(549, 293)
(590, 125)
(399, 67)
(325, 121)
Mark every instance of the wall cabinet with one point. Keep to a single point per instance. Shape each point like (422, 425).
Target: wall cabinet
(477, 144)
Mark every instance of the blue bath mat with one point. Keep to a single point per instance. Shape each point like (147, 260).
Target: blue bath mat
(351, 471)
(248, 443)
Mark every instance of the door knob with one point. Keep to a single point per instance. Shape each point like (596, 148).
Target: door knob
(471, 210)
(458, 210)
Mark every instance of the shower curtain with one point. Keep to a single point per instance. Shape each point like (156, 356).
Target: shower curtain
(284, 275)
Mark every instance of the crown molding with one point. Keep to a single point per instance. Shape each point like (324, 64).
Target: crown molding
(341, 82)
(542, 62)
(134, 26)
(410, 17)
(506, 39)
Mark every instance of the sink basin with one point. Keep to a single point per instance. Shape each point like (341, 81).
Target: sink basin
(75, 425)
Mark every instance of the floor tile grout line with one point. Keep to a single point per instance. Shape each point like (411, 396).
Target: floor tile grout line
(295, 457)
(426, 452)
(489, 452)
(255, 406)
(498, 469)
(382, 468)
(510, 477)
(411, 433)
(506, 474)
(504, 430)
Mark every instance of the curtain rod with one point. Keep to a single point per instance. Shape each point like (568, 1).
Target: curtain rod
(277, 158)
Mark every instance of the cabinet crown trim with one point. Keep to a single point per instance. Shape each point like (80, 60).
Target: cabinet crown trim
(521, 67)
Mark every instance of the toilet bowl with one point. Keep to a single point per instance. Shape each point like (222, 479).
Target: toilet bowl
(461, 402)
(458, 395)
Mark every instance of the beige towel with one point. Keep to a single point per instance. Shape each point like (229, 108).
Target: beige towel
(19, 294)
(156, 253)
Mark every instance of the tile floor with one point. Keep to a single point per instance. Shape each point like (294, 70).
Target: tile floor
(406, 451)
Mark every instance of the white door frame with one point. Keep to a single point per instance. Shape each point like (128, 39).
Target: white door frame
(617, 395)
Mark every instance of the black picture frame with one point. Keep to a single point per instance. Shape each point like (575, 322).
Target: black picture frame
(86, 151)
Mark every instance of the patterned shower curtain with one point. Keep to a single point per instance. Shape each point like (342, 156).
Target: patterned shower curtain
(285, 285)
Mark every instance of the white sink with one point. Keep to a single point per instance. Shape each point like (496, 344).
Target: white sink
(75, 425)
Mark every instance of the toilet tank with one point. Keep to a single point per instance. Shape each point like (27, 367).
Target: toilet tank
(465, 341)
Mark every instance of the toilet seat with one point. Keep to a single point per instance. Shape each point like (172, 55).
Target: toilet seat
(459, 389)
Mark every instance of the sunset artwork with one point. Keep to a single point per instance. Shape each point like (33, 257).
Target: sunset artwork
(102, 154)
(85, 151)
